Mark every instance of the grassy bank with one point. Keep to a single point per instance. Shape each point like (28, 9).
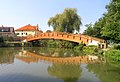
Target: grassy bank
(114, 52)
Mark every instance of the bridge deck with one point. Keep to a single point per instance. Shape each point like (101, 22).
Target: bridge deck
(79, 38)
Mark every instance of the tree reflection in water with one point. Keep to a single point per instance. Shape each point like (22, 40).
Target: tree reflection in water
(66, 72)
(7, 55)
(55, 52)
(106, 72)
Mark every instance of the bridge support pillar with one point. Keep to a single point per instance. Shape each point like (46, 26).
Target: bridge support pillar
(102, 45)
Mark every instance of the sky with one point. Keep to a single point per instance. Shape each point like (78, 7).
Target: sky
(18, 13)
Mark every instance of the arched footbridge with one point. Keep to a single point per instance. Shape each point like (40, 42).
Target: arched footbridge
(79, 38)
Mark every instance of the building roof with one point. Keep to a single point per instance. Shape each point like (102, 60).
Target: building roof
(27, 28)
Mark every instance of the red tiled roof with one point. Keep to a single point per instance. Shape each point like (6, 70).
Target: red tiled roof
(27, 28)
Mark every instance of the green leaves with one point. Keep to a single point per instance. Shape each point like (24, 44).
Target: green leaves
(89, 30)
(111, 28)
(108, 26)
(68, 21)
(114, 54)
(112, 31)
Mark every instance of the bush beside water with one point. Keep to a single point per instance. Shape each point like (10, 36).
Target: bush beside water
(116, 46)
(113, 54)
(90, 50)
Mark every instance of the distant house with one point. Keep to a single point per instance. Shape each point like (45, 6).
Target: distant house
(7, 31)
(27, 30)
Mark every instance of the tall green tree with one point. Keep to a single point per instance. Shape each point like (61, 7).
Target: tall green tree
(95, 30)
(111, 29)
(68, 21)
(89, 30)
(108, 26)
(98, 26)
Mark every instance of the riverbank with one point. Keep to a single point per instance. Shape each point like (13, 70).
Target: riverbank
(113, 52)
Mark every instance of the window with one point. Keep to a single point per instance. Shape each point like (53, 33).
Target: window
(26, 33)
(21, 33)
(17, 33)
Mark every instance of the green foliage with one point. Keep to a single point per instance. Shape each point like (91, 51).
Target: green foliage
(105, 71)
(52, 44)
(48, 31)
(98, 26)
(89, 30)
(11, 38)
(66, 72)
(66, 44)
(43, 43)
(7, 55)
(35, 43)
(108, 26)
(95, 30)
(79, 47)
(5, 38)
(1, 40)
(54, 52)
(113, 54)
(116, 46)
(90, 50)
(57, 44)
(101, 52)
(68, 21)
(94, 46)
(111, 29)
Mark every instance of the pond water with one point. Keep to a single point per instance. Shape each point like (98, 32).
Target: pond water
(39, 65)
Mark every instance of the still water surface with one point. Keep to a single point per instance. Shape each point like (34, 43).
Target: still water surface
(17, 65)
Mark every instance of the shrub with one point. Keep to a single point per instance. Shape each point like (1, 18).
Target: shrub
(92, 46)
(113, 54)
(1, 40)
(116, 46)
(79, 47)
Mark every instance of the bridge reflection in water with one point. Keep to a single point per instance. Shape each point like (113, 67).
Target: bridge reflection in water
(29, 57)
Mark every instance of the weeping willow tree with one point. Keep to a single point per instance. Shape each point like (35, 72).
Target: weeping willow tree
(68, 21)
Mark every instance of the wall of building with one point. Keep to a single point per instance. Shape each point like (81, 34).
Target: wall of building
(24, 33)
(93, 42)
(7, 31)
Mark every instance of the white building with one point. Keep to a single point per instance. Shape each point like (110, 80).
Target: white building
(27, 30)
